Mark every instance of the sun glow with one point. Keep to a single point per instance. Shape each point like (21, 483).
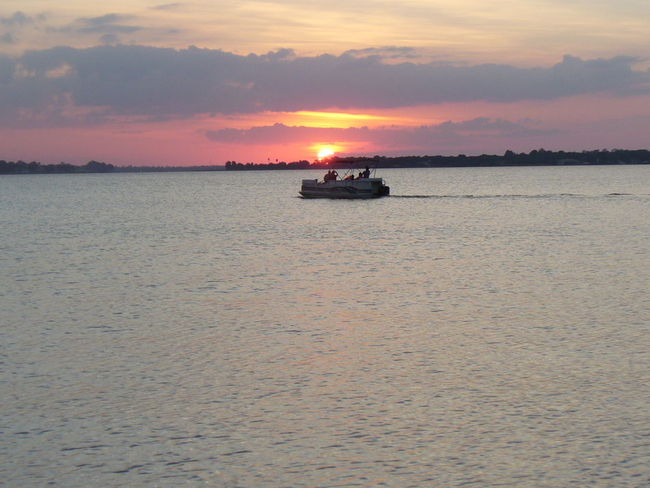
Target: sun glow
(325, 152)
(337, 119)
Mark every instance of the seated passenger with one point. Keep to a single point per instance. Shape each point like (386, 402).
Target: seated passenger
(366, 173)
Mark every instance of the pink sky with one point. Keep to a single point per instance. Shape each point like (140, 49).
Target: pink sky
(136, 82)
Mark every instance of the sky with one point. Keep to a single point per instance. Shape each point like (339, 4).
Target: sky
(203, 82)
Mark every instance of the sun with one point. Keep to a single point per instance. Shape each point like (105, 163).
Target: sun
(325, 152)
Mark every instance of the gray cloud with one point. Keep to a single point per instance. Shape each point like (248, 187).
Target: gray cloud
(109, 39)
(416, 138)
(167, 6)
(386, 52)
(106, 24)
(7, 38)
(7, 68)
(160, 82)
(18, 18)
(17, 22)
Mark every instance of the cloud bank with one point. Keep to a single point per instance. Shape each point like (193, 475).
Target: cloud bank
(140, 81)
(415, 138)
(19, 19)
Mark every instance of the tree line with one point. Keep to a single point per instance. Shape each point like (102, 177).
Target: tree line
(21, 167)
(235, 166)
(536, 157)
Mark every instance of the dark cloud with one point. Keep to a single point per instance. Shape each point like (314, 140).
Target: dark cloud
(167, 6)
(7, 69)
(21, 19)
(416, 138)
(110, 39)
(18, 18)
(17, 22)
(159, 82)
(7, 38)
(278, 55)
(106, 24)
(386, 52)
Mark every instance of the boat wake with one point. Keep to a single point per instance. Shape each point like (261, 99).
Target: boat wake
(490, 196)
(500, 196)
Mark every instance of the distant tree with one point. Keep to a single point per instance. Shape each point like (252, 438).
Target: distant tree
(98, 167)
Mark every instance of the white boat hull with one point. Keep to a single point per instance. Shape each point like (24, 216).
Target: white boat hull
(349, 189)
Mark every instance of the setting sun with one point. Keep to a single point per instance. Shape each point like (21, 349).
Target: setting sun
(325, 152)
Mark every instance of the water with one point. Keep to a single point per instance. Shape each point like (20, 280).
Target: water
(480, 327)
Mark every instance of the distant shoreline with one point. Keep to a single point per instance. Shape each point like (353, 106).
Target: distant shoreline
(539, 157)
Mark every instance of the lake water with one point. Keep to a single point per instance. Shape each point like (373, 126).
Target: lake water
(478, 328)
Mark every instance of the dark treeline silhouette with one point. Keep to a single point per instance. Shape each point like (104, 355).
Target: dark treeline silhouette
(21, 167)
(303, 164)
(537, 157)
(165, 169)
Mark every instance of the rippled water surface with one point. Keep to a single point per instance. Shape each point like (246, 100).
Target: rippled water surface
(480, 327)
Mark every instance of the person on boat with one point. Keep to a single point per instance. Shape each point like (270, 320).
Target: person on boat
(360, 175)
(330, 176)
(366, 172)
(349, 177)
